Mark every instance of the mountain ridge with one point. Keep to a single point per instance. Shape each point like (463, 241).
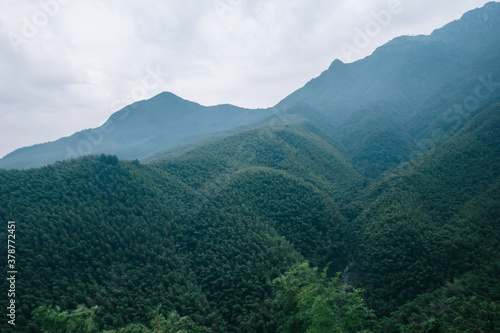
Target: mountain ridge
(415, 82)
(340, 92)
(138, 130)
(398, 198)
(204, 232)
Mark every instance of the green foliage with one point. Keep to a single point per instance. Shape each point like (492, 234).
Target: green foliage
(82, 320)
(174, 324)
(201, 234)
(468, 304)
(204, 232)
(432, 220)
(313, 303)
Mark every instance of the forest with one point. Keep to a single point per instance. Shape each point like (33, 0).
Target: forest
(269, 230)
(366, 201)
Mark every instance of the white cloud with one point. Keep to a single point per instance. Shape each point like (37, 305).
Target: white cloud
(77, 61)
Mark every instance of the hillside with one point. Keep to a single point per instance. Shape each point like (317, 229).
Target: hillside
(210, 222)
(209, 233)
(411, 93)
(139, 130)
(363, 201)
(408, 96)
(437, 217)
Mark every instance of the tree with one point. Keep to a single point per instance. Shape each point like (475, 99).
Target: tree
(174, 323)
(311, 302)
(82, 320)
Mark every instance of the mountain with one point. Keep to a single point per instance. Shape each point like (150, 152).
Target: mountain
(412, 91)
(407, 71)
(202, 233)
(395, 192)
(405, 98)
(139, 130)
(439, 211)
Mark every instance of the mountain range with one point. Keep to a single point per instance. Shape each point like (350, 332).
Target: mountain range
(408, 85)
(385, 170)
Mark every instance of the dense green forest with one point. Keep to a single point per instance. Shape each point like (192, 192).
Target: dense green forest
(212, 233)
(367, 201)
(195, 234)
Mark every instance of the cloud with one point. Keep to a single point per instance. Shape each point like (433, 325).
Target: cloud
(68, 65)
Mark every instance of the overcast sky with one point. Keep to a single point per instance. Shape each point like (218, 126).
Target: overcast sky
(67, 65)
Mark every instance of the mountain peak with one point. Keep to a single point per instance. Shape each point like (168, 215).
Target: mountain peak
(138, 130)
(477, 21)
(167, 95)
(335, 64)
(401, 78)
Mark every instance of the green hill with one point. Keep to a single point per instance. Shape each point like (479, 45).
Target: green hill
(202, 234)
(432, 220)
(369, 173)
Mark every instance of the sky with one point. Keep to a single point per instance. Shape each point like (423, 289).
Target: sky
(67, 65)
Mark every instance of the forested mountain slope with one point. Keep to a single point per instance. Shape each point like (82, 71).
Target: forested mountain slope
(203, 233)
(411, 93)
(203, 229)
(138, 130)
(433, 219)
(291, 148)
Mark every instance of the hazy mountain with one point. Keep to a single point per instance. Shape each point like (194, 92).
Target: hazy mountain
(139, 130)
(409, 70)
(413, 91)
(204, 226)
(405, 91)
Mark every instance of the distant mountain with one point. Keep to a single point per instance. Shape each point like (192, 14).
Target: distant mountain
(412, 91)
(405, 98)
(204, 227)
(408, 71)
(139, 130)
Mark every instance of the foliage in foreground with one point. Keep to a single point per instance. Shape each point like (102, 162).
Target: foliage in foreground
(313, 303)
(83, 320)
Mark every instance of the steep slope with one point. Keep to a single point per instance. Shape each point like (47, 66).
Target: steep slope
(410, 86)
(434, 219)
(415, 90)
(202, 233)
(408, 70)
(139, 130)
(469, 303)
(293, 148)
